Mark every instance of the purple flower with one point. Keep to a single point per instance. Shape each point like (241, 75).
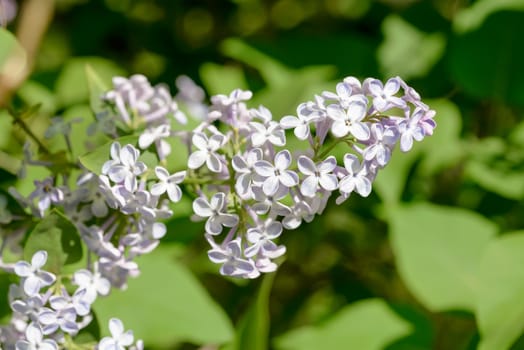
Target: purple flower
(118, 339)
(276, 174)
(46, 193)
(382, 141)
(271, 132)
(356, 179)
(34, 277)
(124, 166)
(319, 174)
(168, 183)
(384, 95)
(35, 340)
(214, 210)
(244, 165)
(300, 124)
(206, 152)
(349, 120)
(261, 240)
(230, 258)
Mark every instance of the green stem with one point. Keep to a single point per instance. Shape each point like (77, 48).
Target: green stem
(18, 120)
(322, 155)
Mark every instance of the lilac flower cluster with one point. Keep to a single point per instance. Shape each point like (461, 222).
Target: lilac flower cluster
(46, 316)
(251, 185)
(117, 213)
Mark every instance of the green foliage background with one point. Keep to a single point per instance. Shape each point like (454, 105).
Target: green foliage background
(431, 260)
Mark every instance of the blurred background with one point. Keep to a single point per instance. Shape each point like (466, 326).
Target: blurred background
(431, 260)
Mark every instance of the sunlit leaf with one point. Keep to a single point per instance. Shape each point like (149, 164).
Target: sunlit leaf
(59, 237)
(499, 307)
(437, 252)
(13, 58)
(471, 17)
(365, 325)
(165, 305)
(72, 84)
(407, 51)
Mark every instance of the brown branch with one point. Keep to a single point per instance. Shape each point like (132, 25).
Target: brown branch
(33, 21)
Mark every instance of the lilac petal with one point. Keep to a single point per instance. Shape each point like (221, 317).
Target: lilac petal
(48, 344)
(200, 141)
(339, 129)
(234, 247)
(258, 139)
(261, 208)
(271, 250)
(213, 226)
(288, 178)
(289, 122)
(216, 141)
(159, 188)
(82, 278)
(264, 168)
(39, 258)
(306, 166)
(375, 87)
(161, 173)
(363, 185)
(128, 155)
(270, 185)
(127, 338)
(252, 250)
(329, 182)
(302, 131)
(351, 163)
(24, 345)
(217, 201)
(23, 269)
(274, 230)
(213, 163)
(217, 257)
(278, 138)
(347, 184)
(360, 131)
(146, 139)
(34, 334)
(239, 164)
(197, 159)
(357, 110)
(309, 186)
(174, 193)
(201, 207)
(229, 220)
(282, 159)
(344, 90)
(336, 112)
(116, 327)
(392, 86)
(243, 184)
(32, 285)
(328, 165)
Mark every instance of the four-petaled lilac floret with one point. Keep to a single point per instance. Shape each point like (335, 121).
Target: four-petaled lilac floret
(356, 178)
(206, 152)
(261, 239)
(34, 277)
(34, 339)
(168, 183)
(276, 175)
(214, 210)
(349, 120)
(118, 339)
(320, 174)
(231, 259)
(384, 95)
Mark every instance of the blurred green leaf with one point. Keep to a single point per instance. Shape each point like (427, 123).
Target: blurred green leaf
(437, 252)
(443, 148)
(13, 58)
(253, 330)
(72, 84)
(220, 79)
(59, 237)
(509, 184)
(499, 310)
(166, 304)
(472, 17)
(499, 75)
(32, 93)
(365, 325)
(407, 51)
(97, 87)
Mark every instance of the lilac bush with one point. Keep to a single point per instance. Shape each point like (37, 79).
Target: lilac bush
(248, 187)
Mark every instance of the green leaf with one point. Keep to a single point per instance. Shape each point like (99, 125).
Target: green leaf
(59, 237)
(437, 252)
(443, 148)
(166, 304)
(507, 183)
(499, 75)
(94, 161)
(97, 87)
(220, 79)
(13, 58)
(407, 51)
(472, 17)
(77, 82)
(365, 325)
(253, 330)
(499, 310)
